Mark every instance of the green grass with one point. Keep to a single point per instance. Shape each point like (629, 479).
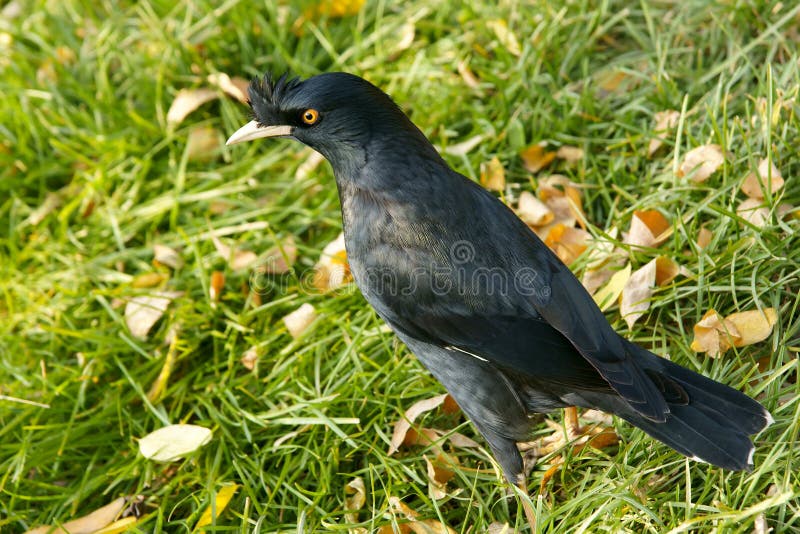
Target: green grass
(88, 128)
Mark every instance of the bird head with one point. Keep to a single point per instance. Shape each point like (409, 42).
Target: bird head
(340, 115)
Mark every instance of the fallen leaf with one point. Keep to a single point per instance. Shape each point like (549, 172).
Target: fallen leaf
(159, 385)
(173, 442)
(563, 198)
(665, 121)
(249, 358)
(533, 211)
(704, 237)
(279, 259)
(402, 426)
(766, 177)
(505, 36)
(760, 525)
(439, 473)
(753, 211)
(204, 143)
(221, 500)
(465, 147)
(146, 280)
(570, 154)
(235, 87)
(701, 162)
(493, 175)
(753, 326)
(567, 242)
(238, 259)
(308, 166)
(649, 228)
(300, 319)
(467, 75)
(332, 270)
(142, 312)
(637, 292)
(536, 158)
(336, 8)
(355, 497)
(216, 285)
(167, 256)
(117, 527)
(551, 471)
(610, 80)
(87, 524)
(499, 528)
(461, 441)
(418, 526)
(186, 101)
(609, 294)
(405, 39)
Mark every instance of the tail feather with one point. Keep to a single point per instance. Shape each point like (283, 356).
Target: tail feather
(711, 422)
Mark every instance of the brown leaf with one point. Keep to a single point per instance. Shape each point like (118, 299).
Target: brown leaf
(186, 101)
(766, 177)
(551, 471)
(533, 211)
(402, 426)
(235, 87)
(87, 524)
(649, 228)
(238, 259)
(167, 256)
(753, 211)
(216, 285)
(204, 143)
(570, 154)
(300, 319)
(637, 292)
(714, 335)
(418, 526)
(461, 441)
(536, 158)
(493, 175)
(704, 237)
(439, 472)
(142, 312)
(567, 242)
(701, 162)
(249, 358)
(665, 121)
(279, 259)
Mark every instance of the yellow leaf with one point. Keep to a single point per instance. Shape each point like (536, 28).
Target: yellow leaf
(355, 497)
(505, 36)
(173, 442)
(120, 525)
(567, 242)
(649, 228)
(637, 292)
(609, 293)
(753, 326)
(332, 270)
(336, 8)
(536, 158)
(701, 162)
(493, 175)
(533, 211)
(87, 524)
(223, 497)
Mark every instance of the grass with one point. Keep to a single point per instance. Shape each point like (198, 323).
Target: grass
(85, 90)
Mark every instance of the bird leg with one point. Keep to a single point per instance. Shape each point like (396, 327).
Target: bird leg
(574, 429)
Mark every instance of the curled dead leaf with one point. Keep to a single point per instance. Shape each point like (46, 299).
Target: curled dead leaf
(533, 211)
(402, 426)
(249, 358)
(753, 326)
(536, 158)
(235, 87)
(753, 211)
(505, 36)
(186, 101)
(493, 175)
(87, 524)
(142, 312)
(637, 292)
(701, 162)
(649, 228)
(439, 471)
(332, 270)
(300, 319)
(665, 121)
(715, 335)
(355, 497)
(766, 178)
(567, 242)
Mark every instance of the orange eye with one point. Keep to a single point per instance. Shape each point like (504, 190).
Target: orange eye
(310, 116)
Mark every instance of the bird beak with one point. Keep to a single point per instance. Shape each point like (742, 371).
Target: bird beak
(252, 130)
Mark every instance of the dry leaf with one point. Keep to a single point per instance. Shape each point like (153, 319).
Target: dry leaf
(665, 121)
(570, 154)
(402, 426)
(167, 256)
(563, 198)
(279, 259)
(216, 285)
(493, 175)
(704, 236)
(499, 528)
(235, 87)
(332, 270)
(238, 259)
(766, 177)
(405, 41)
(87, 524)
(461, 441)
(336, 8)
(608, 295)
(173, 442)
(701, 162)
(418, 526)
(142, 312)
(467, 75)
(146, 280)
(536, 158)
(649, 228)
(567, 242)
(760, 525)
(753, 211)
(249, 358)
(305, 169)
(439, 473)
(637, 292)
(753, 326)
(533, 211)
(186, 101)
(505, 36)
(203, 143)
(119, 526)
(355, 497)
(300, 319)
(223, 497)
(465, 147)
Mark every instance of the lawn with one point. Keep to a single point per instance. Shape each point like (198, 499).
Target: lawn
(104, 200)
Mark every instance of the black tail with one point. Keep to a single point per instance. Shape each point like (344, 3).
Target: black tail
(708, 421)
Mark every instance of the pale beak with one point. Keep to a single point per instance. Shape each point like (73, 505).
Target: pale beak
(252, 130)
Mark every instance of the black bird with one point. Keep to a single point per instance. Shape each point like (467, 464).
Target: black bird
(492, 313)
